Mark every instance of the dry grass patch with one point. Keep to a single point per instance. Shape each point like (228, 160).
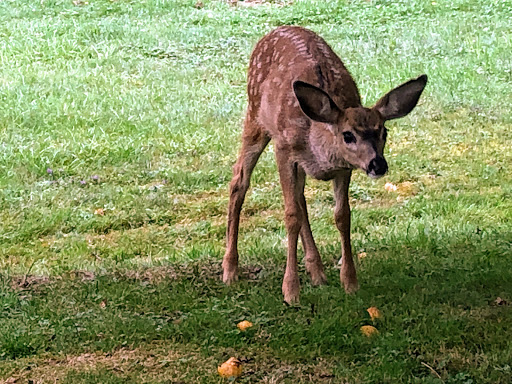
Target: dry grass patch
(158, 362)
(258, 3)
(147, 363)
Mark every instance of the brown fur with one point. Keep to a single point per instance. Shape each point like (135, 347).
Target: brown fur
(302, 97)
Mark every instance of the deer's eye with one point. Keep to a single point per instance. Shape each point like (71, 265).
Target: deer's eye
(349, 137)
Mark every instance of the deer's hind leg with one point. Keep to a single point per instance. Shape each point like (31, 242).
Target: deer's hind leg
(254, 141)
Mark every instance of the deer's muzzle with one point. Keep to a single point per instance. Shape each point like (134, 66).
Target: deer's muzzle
(377, 167)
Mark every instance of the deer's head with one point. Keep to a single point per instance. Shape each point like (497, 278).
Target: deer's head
(359, 133)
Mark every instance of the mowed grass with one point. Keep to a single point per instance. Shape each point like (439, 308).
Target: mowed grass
(119, 124)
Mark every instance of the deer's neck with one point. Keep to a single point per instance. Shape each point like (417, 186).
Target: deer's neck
(325, 158)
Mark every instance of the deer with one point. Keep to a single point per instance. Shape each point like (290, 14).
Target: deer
(301, 96)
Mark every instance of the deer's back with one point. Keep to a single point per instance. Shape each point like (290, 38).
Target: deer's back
(283, 56)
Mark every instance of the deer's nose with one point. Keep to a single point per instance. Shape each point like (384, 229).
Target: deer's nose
(377, 167)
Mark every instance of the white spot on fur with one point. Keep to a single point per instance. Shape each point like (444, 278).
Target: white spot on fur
(277, 80)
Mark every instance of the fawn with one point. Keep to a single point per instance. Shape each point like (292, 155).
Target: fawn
(302, 96)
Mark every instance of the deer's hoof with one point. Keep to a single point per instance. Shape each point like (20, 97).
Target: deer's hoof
(318, 278)
(351, 285)
(316, 272)
(291, 289)
(230, 276)
(291, 298)
(348, 279)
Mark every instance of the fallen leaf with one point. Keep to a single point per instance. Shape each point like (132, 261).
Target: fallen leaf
(361, 255)
(103, 304)
(500, 301)
(99, 212)
(374, 313)
(369, 330)
(244, 325)
(231, 368)
(390, 187)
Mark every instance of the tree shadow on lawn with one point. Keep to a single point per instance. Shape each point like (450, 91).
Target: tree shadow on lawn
(439, 308)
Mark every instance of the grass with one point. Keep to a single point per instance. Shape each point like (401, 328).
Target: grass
(119, 124)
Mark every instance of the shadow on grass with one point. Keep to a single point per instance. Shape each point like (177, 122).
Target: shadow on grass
(440, 308)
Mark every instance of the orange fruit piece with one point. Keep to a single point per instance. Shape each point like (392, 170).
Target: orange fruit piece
(369, 330)
(244, 325)
(374, 313)
(231, 368)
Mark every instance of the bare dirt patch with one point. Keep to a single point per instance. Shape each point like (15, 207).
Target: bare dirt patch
(33, 282)
(204, 269)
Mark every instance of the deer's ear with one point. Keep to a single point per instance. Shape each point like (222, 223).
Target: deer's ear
(315, 103)
(401, 100)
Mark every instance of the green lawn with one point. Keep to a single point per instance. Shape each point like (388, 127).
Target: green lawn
(119, 123)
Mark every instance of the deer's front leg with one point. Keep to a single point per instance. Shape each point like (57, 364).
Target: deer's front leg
(313, 260)
(288, 173)
(348, 275)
